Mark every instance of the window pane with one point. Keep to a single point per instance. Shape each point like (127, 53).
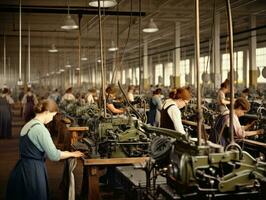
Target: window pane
(158, 73)
(261, 62)
(168, 71)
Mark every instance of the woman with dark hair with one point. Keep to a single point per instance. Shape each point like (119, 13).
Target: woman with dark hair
(221, 101)
(68, 96)
(111, 92)
(5, 114)
(171, 114)
(28, 180)
(29, 101)
(219, 134)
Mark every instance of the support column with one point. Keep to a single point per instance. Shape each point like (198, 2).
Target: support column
(177, 55)
(146, 82)
(252, 55)
(245, 68)
(216, 64)
(191, 71)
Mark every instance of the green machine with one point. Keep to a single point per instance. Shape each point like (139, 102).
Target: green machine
(208, 170)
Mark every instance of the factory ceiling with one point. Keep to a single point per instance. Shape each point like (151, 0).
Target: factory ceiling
(122, 24)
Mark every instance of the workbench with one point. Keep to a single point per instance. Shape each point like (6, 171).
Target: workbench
(92, 171)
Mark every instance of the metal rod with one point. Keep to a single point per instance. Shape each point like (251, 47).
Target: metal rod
(101, 54)
(79, 57)
(140, 82)
(29, 55)
(20, 40)
(197, 56)
(231, 51)
(4, 59)
(66, 10)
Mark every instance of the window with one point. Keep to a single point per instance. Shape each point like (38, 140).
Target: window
(261, 62)
(184, 71)
(137, 76)
(110, 76)
(238, 65)
(129, 77)
(123, 76)
(158, 73)
(168, 72)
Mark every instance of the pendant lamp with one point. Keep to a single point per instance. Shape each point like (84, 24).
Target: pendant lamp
(103, 3)
(53, 49)
(151, 28)
(69, 23)
(113, 47)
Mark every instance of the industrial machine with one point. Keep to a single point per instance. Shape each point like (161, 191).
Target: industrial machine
(206, 171)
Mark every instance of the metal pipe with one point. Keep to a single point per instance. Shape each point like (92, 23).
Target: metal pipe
(140, 82)
(101, 55)
(231, 51)
(20, 40)
(4, 59)
(197, 57)
(64, 10)
(29, 55)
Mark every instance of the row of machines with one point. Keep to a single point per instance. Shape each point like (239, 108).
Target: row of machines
(208, 171)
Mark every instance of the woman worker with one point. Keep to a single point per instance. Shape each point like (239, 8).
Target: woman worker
(221, 101)
(28, 180)
(220, 136)
(170, 113)
(111, 92)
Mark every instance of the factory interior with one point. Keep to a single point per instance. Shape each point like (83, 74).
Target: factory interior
(132, 99)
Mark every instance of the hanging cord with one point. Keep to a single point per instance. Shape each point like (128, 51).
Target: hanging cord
(124, 49)
(207, 65)
(230, 28)
(101, 53)
(143, 118)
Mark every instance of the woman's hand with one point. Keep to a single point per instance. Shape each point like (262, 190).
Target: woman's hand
(77, 154)
(260, 131)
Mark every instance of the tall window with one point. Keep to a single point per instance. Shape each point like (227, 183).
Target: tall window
(158, 73)
(110, 76)
(129, 75)
(168, 72)
(137, 76)
(133, 76)
(238, 65)
(261, 62)
(184, 71)
(123, 76)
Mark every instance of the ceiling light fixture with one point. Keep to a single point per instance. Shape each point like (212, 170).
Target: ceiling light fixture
(113, 47)
(151, 28)
(53, 49)
(67, 64)
(69, 24)
(103, 3)
(77, 68)
(84, 58)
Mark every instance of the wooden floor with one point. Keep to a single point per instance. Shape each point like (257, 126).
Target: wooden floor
(9, 155)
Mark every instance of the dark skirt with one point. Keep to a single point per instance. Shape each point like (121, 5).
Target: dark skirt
(28, 179)
(5, 121)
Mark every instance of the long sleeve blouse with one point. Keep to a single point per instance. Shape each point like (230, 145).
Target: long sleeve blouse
(175, 115)
(41, 138)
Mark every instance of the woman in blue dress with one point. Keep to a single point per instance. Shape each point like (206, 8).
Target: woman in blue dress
(5, 114)
(28, 180)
